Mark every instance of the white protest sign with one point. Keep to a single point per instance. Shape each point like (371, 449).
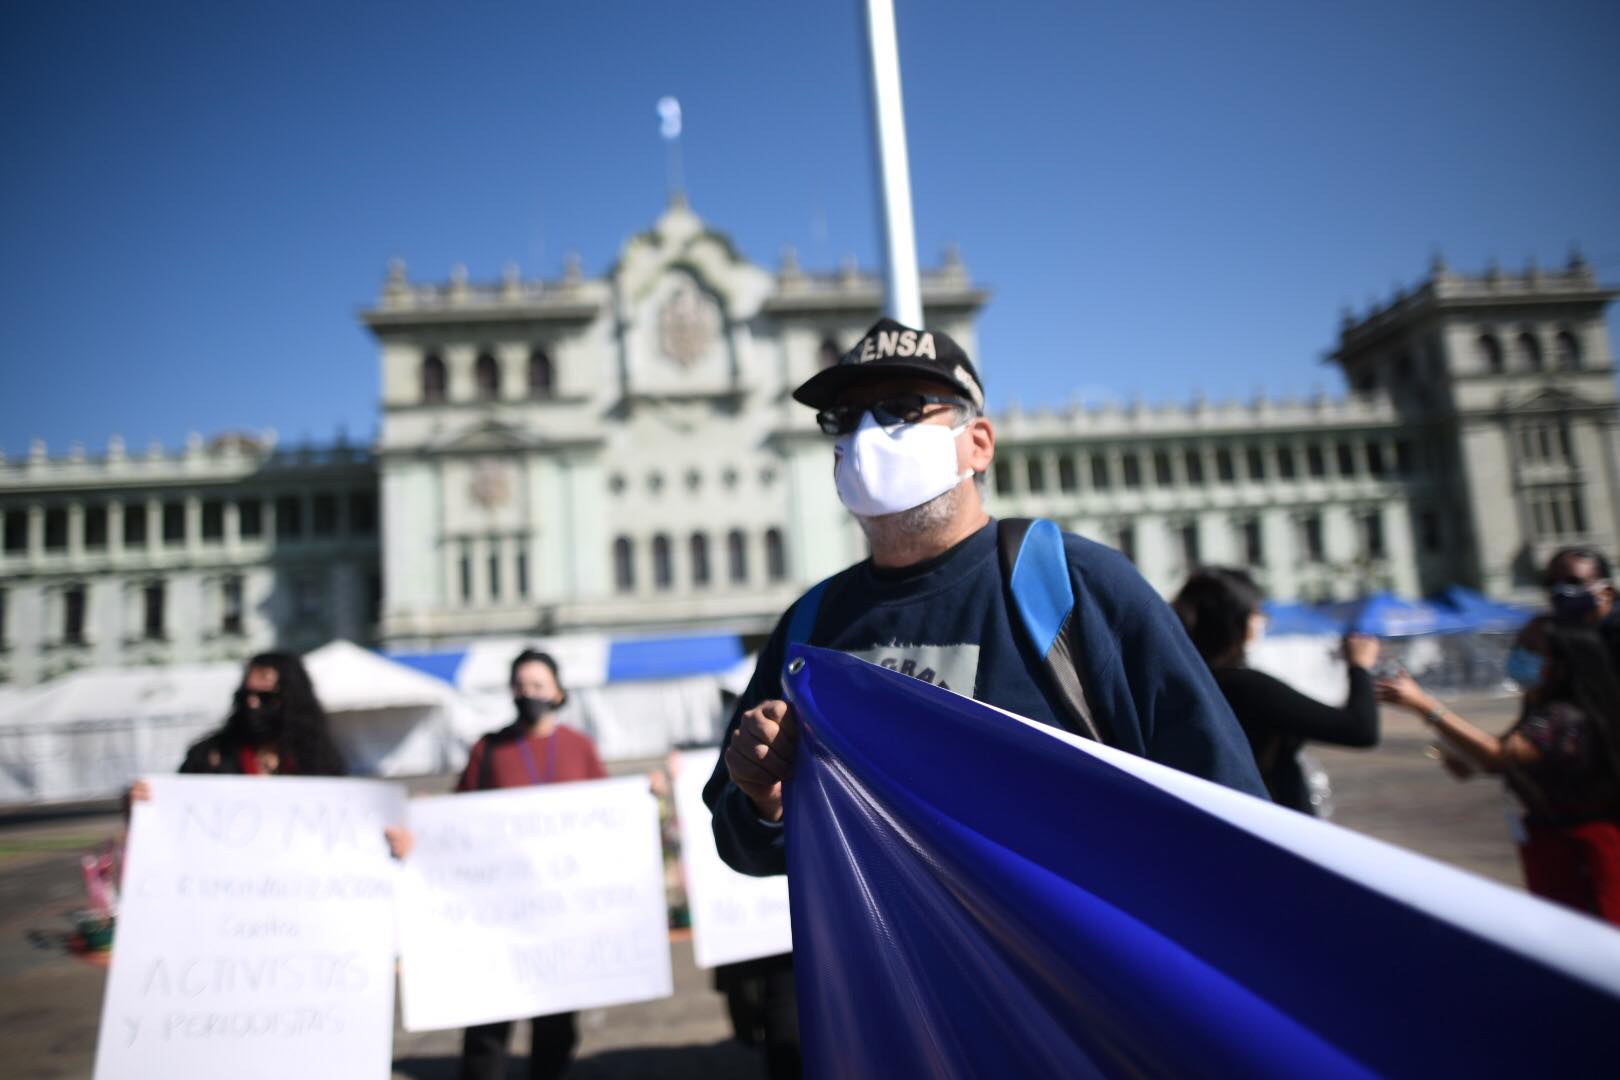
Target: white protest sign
(734, 916)
(256, 932)
(530, 901)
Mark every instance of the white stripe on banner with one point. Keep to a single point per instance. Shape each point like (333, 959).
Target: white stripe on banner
(1574, 944)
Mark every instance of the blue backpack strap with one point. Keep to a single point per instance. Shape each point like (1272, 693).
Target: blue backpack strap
(1039, 580)
(805, 611)
(1036, 570)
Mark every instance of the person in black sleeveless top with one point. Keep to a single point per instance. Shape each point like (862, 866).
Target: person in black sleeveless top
(1220, 608)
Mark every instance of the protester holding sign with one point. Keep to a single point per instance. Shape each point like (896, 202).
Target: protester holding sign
(276, 727)
(533, 749)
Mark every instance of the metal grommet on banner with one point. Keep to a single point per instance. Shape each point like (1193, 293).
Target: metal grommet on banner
(795, 665)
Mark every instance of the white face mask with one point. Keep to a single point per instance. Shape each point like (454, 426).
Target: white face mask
(883, 470)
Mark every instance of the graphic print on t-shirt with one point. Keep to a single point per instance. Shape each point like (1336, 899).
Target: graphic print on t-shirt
(949, 667)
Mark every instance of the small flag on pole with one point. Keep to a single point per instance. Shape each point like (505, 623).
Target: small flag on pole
(669, 118)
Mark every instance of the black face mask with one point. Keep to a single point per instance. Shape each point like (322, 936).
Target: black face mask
(261, 723)
(1573, 603)
(531, 710)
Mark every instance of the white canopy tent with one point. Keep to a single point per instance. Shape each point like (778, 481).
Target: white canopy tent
(389, 719)
(628, 714)
(88, 734)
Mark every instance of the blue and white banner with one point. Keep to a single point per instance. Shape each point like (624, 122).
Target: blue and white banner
(996, 898)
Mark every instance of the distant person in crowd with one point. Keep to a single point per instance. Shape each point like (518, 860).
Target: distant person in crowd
(533, 749)
(276, 727)
(1580, 591)
(1220, 608)
(1561, 760)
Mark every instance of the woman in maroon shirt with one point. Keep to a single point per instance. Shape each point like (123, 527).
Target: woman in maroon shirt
(532, 749)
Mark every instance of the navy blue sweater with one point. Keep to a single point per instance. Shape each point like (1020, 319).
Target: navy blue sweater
(948, 620)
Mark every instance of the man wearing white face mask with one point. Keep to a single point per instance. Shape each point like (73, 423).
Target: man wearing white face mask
(906, 408)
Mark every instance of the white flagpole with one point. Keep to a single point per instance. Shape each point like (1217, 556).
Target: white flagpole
(903, 291)
(669, 126)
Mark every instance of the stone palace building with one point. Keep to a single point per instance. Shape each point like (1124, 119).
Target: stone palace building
(620, 454)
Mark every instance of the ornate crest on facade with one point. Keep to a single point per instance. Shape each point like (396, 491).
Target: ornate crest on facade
(491, 485)
(688, 324)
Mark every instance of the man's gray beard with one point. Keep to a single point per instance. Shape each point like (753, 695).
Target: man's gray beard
(922, 520)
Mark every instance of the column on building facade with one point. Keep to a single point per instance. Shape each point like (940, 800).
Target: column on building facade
(1280, 552)
(568, 546)
(512, 361)
(115, 530)
(1597, 457)
(154, 527)
(508, 545)
(487, 591)
(193, 506)
(1054, 494)
(52, 606)
(306, 514)
(233, 526)
(36, 533)
(343, 602)
(1401, 552)
(75, 530)
(418, 560)
(1497, 525)
(1342, 546)
(459, 361)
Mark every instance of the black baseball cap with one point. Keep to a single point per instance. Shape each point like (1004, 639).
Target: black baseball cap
(892, 348)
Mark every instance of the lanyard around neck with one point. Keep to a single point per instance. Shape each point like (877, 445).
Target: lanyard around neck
(535, 775)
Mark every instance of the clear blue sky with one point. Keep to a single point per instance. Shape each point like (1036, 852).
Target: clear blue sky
(1166, 198)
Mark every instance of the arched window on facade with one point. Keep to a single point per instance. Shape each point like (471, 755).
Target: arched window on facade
(829, 352)
(433, 378)
(541, 376)
(1490, 354)
(1529, 352)
(775, 555)
(624, 564)
(663, 564)
(737, 556)
(487, 377)
(1567, 351)
(698, 545)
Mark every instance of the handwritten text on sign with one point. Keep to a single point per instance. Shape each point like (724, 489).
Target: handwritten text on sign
(532, 901)
(734, 917)
(256, 932)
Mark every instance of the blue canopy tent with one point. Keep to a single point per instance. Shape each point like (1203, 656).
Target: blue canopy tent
(1481, 612)
(625, 659)
(1284, 619)
(637, 697)
(1386, 615)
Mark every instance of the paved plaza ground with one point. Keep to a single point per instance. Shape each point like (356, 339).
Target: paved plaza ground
(50, 1000)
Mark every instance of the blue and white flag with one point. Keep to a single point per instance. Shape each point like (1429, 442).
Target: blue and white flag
(976, 895)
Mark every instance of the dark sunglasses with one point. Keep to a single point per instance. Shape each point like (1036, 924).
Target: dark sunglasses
(895, 409)
(266, 697)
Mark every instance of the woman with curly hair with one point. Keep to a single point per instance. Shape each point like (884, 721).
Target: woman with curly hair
(276, 727)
